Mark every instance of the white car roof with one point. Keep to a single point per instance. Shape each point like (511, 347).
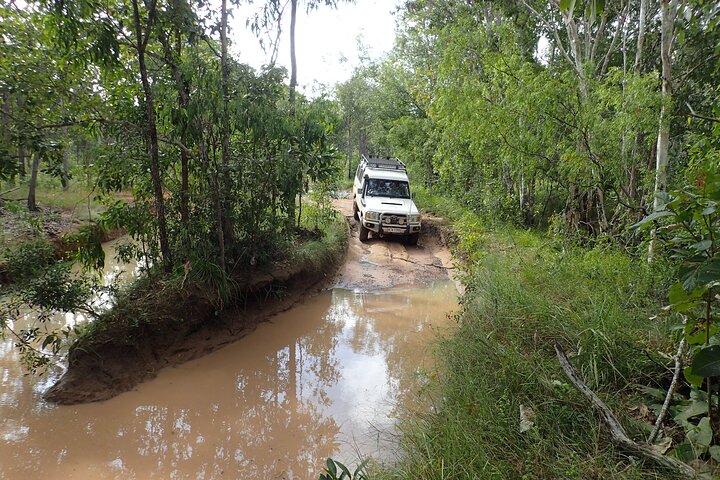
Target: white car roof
(386, 174)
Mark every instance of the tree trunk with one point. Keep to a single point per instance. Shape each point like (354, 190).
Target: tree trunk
(576, 52)
(152, 137)
(31, 204)
(349, 149)
(21, 147)
(362, 143)
(183, 100)
(173, 58)
(293, 60)
(225, 213)
(21, 160)
(184, 188)
(213, 184)
(641, 34)
(5, 134)
(603, 224)
(669, 9)
(65, 173)
(219, 225)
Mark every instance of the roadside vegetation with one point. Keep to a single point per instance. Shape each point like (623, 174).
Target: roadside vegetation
(188, 298)
(503, 407)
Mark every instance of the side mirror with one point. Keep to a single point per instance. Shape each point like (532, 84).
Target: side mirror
(412, 195)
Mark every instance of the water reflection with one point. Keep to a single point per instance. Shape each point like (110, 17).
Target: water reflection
(114, 274)
(323, 379)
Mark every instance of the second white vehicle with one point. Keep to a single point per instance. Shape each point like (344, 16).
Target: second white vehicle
(382, 200)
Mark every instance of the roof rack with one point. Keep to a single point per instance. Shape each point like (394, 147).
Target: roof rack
(384, 163)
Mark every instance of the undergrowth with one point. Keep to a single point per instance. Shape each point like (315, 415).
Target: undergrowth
(326, 248)
(160, 300)
(525, 292)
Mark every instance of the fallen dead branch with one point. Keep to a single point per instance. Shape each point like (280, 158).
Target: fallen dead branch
(617, 432)
(2, 194)
(670, 392)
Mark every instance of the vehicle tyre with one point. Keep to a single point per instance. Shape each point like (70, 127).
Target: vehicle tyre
(355, 211)
(363, 233)
(412, 239)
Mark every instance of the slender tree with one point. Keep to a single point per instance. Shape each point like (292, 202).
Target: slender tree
(141, 43)
(668, 10)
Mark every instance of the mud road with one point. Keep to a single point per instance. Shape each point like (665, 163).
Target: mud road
(331, 377)
(382, 263)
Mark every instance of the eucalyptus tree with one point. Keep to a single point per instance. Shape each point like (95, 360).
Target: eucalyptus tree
(688, 74)
(354, 97)
(669, 10)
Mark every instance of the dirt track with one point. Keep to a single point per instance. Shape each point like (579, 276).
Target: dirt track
(387, 262)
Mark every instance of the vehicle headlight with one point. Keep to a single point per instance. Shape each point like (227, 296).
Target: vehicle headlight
(413, 218)
(372, 216)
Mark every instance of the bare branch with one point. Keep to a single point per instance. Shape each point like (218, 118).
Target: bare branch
(701, 117)
(177, 143)
(208, 41)
(554, 32)
(613, 44)
(703, 60)
(670, 392)
(600, 31)
(641, 34)
(616, 429)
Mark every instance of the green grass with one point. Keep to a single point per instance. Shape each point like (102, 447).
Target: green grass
(327, 249)
(78, 201)
(525, 292)
(59, 212)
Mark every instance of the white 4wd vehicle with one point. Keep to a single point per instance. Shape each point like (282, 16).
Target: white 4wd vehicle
(382, 202)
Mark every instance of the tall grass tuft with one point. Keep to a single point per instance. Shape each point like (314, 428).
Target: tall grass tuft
(328, 247)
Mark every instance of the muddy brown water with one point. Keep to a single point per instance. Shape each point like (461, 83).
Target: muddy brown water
(328, 378)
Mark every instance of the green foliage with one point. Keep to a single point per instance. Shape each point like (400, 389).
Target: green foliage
(334, 470)
(212, 152)
(527, 136)
(690, 232)
(522, 295)
(88, 246)
(29, 259)
(43, 288)
(328, 246)
(56, 290)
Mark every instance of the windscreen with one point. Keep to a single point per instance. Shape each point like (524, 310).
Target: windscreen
(378, 187)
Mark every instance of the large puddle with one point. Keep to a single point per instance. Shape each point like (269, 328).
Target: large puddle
(325, 379)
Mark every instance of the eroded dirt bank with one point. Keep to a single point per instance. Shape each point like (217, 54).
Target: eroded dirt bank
(186, 324)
